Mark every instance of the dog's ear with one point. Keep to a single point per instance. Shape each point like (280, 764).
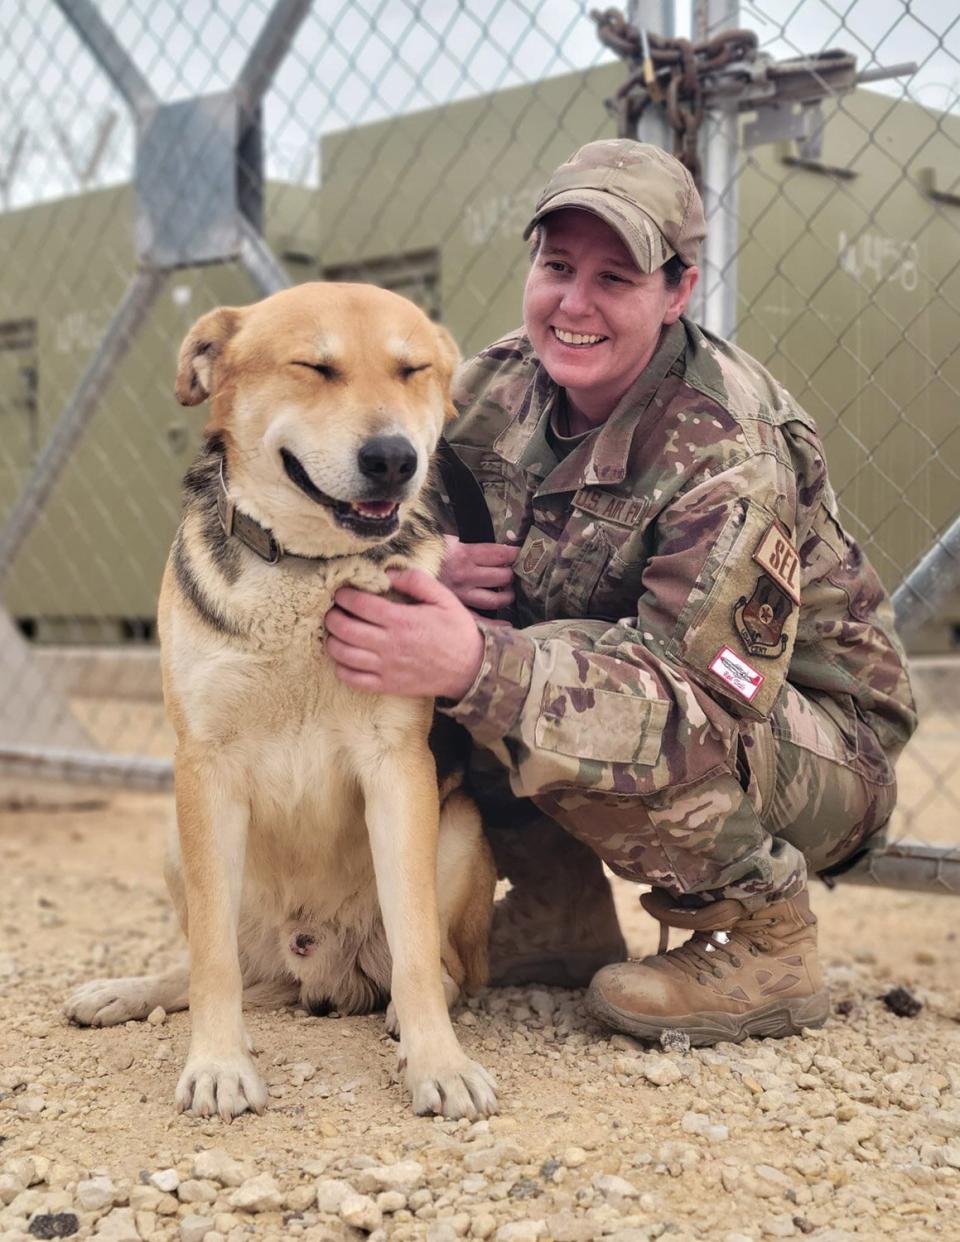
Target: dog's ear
(448, 357)
(199, 352)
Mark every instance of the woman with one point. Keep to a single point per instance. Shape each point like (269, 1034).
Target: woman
(700, 681)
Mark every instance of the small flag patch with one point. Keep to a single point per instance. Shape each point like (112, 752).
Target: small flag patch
(737, 673)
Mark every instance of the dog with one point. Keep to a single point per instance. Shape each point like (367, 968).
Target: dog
(320, 856)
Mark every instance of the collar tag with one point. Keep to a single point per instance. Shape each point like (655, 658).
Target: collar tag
(245, 528)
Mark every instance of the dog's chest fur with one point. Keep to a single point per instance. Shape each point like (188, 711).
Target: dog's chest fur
(248, 679)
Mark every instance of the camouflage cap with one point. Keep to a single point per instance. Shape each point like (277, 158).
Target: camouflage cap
(644, 194)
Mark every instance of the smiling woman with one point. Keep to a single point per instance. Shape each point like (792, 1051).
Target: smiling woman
(593, 317)
(695, 676)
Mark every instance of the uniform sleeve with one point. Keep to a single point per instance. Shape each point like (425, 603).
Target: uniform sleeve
(652, 701)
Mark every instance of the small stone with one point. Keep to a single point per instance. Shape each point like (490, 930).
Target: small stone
(442, 1231)
(331, 1193)
(29, 1170)
(902, 1002)
(674, 1041)
(157, 1017)
(165, 1180)
(257, 1194)
(10, 1186)
(118, 1226)
(485, 1158)
(146, 1223)
(95, 1194)
(301, 1198)
(467, 1018)
(194, 1190)
(661, 1071)
(522, 1231)
(778, 1227)
(118, 1059)
(215, 1165)
(566, 1227)
(700, 1123)
(483, 1225)
(614, 1189)
(573, 1157)
(54, 1225)
(542, 1004)
(194, 1228)
(31, 1105)
(361, 1212)
(405, 1176)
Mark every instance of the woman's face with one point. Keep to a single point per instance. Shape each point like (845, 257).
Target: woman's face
(592, 316)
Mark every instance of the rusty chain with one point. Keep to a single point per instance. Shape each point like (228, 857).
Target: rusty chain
(686, 77)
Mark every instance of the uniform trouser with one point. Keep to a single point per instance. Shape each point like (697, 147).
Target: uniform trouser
(812, 785)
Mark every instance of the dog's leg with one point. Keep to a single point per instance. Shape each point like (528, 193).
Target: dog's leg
(466, 879)
(402, 816)
(219, 1076)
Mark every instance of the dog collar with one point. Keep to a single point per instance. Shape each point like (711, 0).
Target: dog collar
(245, 528)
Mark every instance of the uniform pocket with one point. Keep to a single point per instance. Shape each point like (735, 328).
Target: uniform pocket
(601, 725)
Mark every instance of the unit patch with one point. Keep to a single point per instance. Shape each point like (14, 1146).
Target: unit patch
(737, 673)
(778, 557)
(760, 619)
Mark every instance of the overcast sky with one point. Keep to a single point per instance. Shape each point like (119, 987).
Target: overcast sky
(355, 61)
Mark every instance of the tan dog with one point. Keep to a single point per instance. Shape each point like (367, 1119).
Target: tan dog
(300, 802)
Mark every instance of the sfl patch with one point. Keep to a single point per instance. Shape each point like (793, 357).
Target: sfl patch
(778, 557)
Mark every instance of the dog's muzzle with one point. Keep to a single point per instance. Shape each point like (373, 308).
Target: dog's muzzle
(388, 463)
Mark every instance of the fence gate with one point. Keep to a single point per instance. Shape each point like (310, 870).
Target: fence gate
(158, 159)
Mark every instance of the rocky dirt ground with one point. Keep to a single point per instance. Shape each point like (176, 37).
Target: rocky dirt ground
(850, 1132)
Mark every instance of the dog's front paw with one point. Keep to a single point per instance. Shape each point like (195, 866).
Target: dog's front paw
(227, 1086)
(107, 1002)
(460, 1089)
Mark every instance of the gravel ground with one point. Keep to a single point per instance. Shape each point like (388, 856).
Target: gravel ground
(848, 1132)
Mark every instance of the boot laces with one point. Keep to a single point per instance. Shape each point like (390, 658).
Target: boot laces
(702, 954)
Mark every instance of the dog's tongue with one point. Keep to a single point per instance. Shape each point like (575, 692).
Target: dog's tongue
(375, 508)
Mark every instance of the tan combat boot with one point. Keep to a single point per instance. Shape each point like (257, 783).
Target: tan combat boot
(764, 979)
(557, 925)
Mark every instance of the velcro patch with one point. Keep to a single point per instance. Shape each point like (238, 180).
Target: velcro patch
(778, 557)
(737, 673)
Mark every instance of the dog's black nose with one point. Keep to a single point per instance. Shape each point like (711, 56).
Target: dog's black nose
(388, 459)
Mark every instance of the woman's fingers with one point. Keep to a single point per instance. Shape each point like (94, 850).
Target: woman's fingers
(360, 659)
(486, 601)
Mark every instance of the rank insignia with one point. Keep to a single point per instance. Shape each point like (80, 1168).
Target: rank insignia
(761, 618)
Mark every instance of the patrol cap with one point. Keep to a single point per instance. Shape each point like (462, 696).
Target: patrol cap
(644, 194)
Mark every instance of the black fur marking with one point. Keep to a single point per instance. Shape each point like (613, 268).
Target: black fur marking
(450, 744)
(201, 485)
(191, 588)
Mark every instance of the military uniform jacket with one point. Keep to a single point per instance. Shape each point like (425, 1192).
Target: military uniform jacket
(675, 569)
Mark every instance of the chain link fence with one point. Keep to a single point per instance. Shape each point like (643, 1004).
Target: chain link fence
(158, 159)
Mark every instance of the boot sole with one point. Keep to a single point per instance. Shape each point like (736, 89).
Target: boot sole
(777, 1020)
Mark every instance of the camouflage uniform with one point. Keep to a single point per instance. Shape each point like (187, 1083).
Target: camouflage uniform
(703, 683)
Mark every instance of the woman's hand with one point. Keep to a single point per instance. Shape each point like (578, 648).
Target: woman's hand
(430, 648)
(479, 574)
